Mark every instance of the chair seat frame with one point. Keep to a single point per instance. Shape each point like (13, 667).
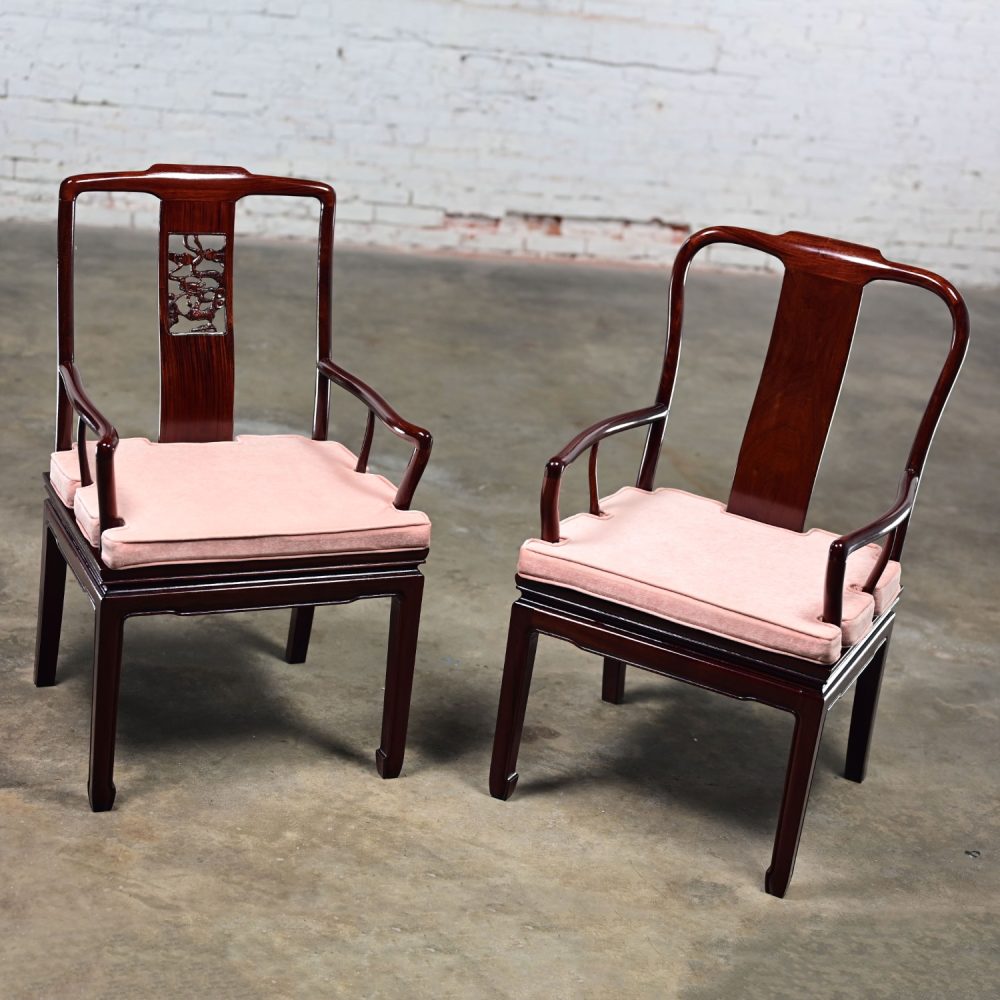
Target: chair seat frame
(779, 458)
(193, 194)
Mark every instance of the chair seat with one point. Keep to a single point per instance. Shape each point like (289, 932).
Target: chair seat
(257, 497)
(685, 558)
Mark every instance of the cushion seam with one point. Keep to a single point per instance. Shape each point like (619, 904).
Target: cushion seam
(696, 625)
(252, 558)
(691, 597)
(111, 537)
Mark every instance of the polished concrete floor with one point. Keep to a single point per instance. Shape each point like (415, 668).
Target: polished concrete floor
(253, 851)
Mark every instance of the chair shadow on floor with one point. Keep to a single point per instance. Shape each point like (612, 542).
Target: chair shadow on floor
(452, 718)
(230, 686)
(223, 681)
(714, 756)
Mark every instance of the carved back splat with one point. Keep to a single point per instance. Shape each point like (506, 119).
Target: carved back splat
(197, 368)
(197, 357)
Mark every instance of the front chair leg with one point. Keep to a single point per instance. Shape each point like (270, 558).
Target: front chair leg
(299, 630)
(809, 720)
(51, 592)
(520, 660)
(866, 694)
(613, 683)
(404, 623)
(109, 625)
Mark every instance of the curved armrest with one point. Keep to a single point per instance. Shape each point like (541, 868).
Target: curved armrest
(590, 438)
(892, 520)
(107, 441)
(379, 407)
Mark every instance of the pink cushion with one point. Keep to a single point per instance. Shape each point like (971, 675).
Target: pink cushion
(64, 471)
(685, 558)
(256, 497)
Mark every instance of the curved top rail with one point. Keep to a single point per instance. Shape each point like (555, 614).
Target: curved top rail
(175, 182)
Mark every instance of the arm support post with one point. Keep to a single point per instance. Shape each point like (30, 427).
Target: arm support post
(590, 438)
(892, 521)
(378, 407)
(88, 415)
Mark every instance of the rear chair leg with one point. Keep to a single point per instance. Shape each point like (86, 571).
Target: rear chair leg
(51, 591)
(809, 720)
(866, 694)
(613, 685)
(299, 630)
(109, 625)
(522, 640)
(404, 623)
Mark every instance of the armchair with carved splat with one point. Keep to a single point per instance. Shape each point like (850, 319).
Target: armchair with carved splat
(129, 516)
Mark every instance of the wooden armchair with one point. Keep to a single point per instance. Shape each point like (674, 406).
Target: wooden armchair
(178, 526)
(736, 598)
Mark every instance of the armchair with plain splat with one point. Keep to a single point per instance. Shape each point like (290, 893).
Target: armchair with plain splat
(735, 597)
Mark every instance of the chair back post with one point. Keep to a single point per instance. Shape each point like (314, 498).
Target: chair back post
(197, 348)
(942, 387)
(957, 350)
(672, 349)
(64, 319)
(324, 321)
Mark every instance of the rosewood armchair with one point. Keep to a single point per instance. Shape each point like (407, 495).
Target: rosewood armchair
(130, 516)
(735, 597)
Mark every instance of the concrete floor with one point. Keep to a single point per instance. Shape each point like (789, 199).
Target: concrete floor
(253, 851)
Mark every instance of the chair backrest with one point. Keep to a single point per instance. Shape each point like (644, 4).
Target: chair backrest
(197, 212)
(805, 364)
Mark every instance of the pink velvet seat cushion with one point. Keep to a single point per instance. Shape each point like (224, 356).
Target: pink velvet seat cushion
(64, 471)
(685, 558)
(256, 497)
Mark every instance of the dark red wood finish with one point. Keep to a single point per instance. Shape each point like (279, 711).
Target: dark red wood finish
(778, 461)
(803, 373)
(196, 404)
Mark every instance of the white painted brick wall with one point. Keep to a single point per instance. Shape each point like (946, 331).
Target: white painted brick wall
(584, 128)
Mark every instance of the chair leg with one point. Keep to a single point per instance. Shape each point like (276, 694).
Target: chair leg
(404, 623)
(109, 625)
(866, 694)
(520, 660)
(299, 630)
(51, 591)
(613, 683)
(809, 720)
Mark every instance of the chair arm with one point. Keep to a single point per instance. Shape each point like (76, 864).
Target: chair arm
(590, 438)
(840, 548)
(90, 416)
(379, 407)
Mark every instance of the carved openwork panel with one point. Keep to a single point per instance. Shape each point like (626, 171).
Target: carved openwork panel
(196, 280)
